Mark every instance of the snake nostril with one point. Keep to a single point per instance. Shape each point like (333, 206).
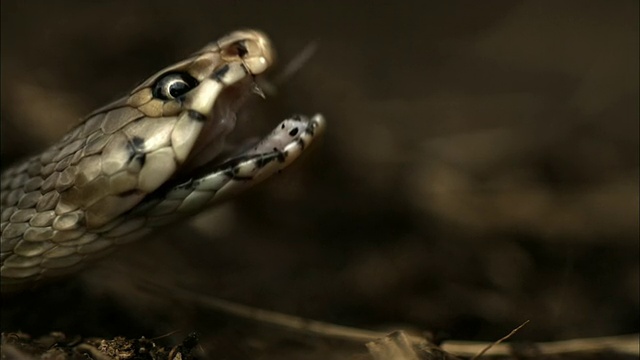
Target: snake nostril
(241, 49)
(237, 49)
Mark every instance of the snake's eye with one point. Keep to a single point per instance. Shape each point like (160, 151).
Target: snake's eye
(172, 86)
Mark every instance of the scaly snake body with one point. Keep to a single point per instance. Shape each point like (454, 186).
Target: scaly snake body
(141, 162)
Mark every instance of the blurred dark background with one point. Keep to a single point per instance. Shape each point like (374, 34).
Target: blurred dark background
(480, 168)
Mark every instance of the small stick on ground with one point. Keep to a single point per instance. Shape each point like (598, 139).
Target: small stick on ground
(500, 340)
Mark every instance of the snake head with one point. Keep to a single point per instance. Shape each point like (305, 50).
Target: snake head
(177, 119)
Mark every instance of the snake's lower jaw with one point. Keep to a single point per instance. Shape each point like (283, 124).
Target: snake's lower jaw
(285, 144)
(213, 182)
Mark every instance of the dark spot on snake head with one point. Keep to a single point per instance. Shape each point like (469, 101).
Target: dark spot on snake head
(297, 117)
(137, 143)
(197, 116)
(268, 158)
(241, 48)
(310, 130)
(301, 143)
(135, 147)
(293, 132)
(219, 74)
(141, 158)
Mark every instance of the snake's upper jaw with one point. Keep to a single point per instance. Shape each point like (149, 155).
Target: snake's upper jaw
(225, 72)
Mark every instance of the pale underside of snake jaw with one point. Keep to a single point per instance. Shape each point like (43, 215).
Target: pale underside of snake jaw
(141, 162)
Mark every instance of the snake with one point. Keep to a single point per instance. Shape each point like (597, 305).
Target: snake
(152, 158)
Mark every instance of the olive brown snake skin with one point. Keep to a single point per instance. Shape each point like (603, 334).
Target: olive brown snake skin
(142, 162)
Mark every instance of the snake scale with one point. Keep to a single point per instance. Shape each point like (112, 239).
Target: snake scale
(144, 161)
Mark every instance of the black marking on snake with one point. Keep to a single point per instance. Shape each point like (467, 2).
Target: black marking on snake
(296, 117)
(220, 73)
(235, 176)
(268, 158)
(196, 116)
(259, 161)
(293, 132)
(301, 143)
(311, 129)
(241, 48)
(137, 142)
(135, 147)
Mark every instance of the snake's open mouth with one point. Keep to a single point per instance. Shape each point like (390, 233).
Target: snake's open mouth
(183, 166)
(212, 170)
(211, 144)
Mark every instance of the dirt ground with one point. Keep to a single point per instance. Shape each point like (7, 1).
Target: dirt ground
(480, 169)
